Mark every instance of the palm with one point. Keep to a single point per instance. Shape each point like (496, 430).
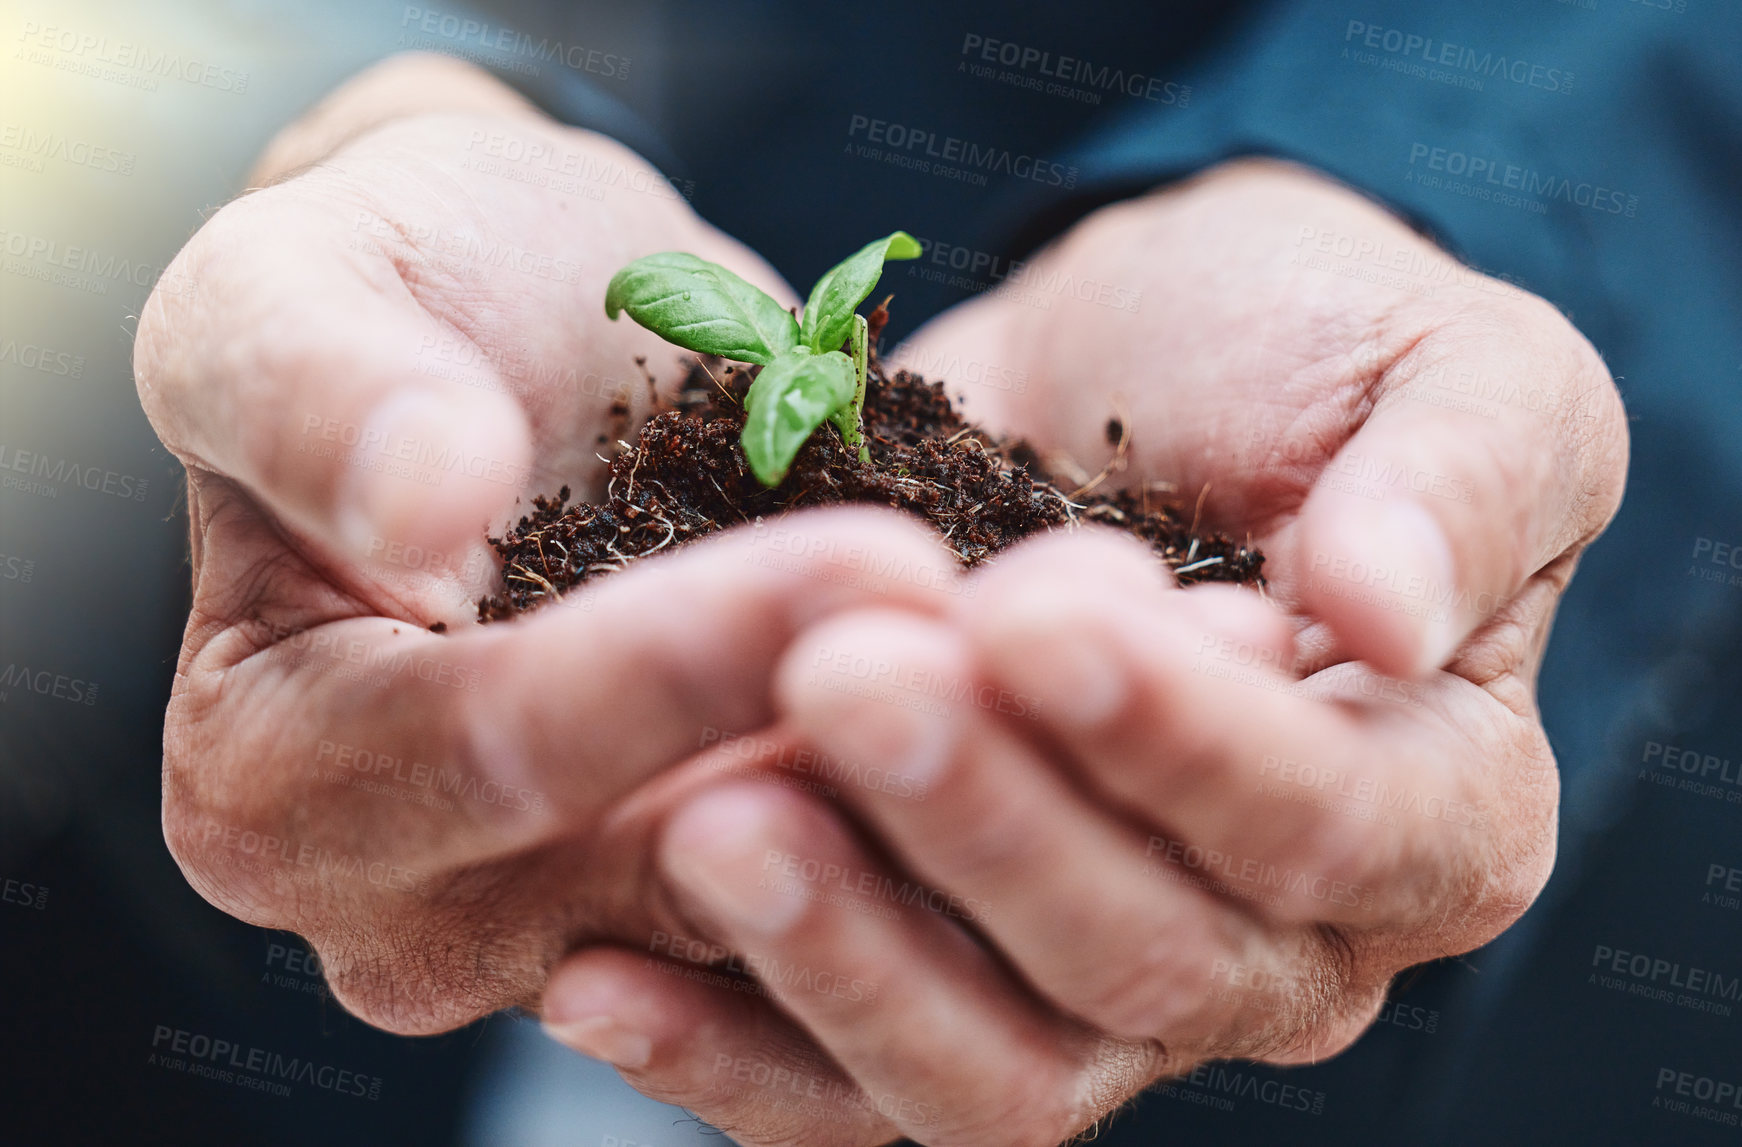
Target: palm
(1251, 365)
(438, 262)
(311, 700)
(1263, 377)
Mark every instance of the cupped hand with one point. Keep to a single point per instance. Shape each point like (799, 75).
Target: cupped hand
(386, 345)
(1143, 828)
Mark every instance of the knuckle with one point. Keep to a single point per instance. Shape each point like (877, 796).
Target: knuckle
(1315, 1002)
(1158, 991)
(1030, 1107)
(218, 852)
(386, 987)
(990, 849)
(1047, 561)
(158, 319)
(162, 370)
(220, 845)
(426, 971)
(1337, 850)
(197, 325)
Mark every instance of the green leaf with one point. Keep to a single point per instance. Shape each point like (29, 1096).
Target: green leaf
(701, 306)
(828, 315)
(793, 395)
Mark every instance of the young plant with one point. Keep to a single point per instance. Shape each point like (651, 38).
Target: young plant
(806, 379)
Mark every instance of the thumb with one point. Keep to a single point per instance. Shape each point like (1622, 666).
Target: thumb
(296, 372)
(1495, 445)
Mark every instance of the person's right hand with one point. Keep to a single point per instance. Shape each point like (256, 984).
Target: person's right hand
(383, 347)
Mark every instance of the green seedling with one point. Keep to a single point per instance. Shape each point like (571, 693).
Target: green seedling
(806, 379)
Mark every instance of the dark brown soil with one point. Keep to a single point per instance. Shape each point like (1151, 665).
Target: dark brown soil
(686, 478)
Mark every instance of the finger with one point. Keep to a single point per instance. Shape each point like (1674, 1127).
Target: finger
(294, 372)
(707, 1042)
(517, 732)
(948, 1046)
(1230, 756)
(1431, 517)
(968, 348)
(1131, 930)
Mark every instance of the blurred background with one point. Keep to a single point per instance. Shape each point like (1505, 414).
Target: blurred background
(124, 125)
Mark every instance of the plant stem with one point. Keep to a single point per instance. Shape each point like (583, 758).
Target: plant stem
(850, 420)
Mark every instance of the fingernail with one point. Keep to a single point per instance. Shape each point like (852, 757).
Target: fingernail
(1055, 654)
(907, 745)
(1410, 538)
(714, 851)
(603, 1038)
(882, 698)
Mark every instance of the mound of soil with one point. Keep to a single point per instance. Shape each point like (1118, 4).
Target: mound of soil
(686, 478)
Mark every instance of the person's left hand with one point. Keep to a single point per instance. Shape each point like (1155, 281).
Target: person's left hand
(1159, 827)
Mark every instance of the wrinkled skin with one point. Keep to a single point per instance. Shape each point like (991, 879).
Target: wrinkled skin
(1366, 765)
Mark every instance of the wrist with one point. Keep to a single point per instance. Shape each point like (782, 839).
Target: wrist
(412, 83)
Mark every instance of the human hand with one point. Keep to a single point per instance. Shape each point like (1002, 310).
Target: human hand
(385, 346)
(1222, 834)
